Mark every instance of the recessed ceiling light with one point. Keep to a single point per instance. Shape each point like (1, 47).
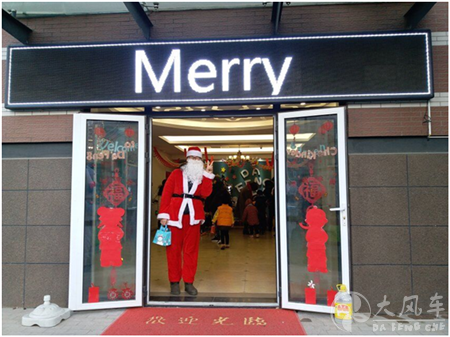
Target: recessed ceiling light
(302, 103)
(213, 124)
(157, 107)
(232, 150)
(266, 138)
(258, 108)
(203, 110)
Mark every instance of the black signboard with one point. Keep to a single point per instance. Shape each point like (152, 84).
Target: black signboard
(365, 66)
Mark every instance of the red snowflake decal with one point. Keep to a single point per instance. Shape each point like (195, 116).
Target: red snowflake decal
(127, 293)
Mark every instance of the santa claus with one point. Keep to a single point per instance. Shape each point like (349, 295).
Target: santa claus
(182, 208)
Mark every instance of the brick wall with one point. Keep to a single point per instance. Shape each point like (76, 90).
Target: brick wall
(248, 22)
(231, 22)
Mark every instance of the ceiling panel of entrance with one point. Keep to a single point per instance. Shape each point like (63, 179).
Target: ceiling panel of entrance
(200, 127)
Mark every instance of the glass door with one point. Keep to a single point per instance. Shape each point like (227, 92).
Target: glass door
(312, 208)
(107, 214)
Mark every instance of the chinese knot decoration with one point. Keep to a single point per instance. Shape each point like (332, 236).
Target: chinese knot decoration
(316, 238)
(116, 192)
(110, 235)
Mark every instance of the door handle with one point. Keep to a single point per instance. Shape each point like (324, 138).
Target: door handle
(337, 209)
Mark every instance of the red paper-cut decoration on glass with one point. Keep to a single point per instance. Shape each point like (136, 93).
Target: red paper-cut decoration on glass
(330, 296)
(129, 132)
(116, 192)
(310, 293)
(100, 132)
(104, 181)
(127, 293)
(312, 189)
(130, 182)
(92, 184)
(113, 294)
(316, 238)
(333, 181)
(94, 294)
(110, 235)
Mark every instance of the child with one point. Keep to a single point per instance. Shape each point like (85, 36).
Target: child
(251, 216)
(225, 220)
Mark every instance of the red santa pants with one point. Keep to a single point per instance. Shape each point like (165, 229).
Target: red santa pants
(182, 254)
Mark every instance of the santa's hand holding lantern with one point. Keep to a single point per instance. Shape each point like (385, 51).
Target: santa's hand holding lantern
(182, 208)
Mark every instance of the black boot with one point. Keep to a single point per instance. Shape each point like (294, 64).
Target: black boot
(190, 289)
(175, 288)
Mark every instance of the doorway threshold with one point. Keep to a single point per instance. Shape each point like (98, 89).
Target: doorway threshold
(212, 300)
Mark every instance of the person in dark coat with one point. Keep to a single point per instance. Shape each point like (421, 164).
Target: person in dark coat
(261, 206)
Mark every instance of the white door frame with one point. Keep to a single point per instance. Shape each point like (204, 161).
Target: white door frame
(77, 212)
(342, 176)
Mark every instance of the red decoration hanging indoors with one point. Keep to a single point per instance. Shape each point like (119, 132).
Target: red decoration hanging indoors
(100, 132)
(116, 192)
(294, 129)
(129, 132)
(110, 235)
(316, 238)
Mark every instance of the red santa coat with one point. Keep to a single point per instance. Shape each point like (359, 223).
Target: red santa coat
(172, 208)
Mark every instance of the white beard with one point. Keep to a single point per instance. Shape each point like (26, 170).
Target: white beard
(193, 170)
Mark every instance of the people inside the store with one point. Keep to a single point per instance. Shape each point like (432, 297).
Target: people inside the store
(250, 217)
(245, 194)
(224, 219)
(261, 206)
(270, 199)
(181, 208)
(212, 203)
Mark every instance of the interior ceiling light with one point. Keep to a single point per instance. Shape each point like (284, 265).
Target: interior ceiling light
(267, 138)
(199, 124)
(301, 137)
(232, 150)
(264, 138)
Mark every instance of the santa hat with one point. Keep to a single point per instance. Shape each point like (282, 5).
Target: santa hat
(194, 151)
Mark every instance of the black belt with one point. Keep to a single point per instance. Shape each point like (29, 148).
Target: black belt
(189, 196)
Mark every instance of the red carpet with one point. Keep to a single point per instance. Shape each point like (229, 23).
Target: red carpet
(206, 321)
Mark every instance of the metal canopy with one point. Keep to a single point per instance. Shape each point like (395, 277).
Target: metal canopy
(141, 18)
(416, 13)
(15, 28)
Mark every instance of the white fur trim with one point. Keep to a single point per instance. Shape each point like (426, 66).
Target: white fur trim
(163, 216)
(208, 175)
(194, 153)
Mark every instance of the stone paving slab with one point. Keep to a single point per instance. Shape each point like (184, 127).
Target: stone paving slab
(94, 322)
